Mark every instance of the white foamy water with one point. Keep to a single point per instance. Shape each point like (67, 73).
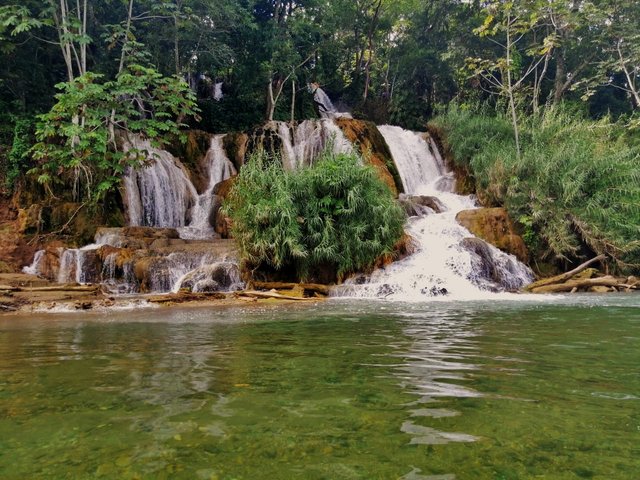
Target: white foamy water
(446, 263)
(302, 144)
(219, 168)
(160, 193)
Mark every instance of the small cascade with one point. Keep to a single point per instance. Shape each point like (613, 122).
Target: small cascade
(217, 91)
(68, 266)
(169, 273)
(219, 168)
(418, 162)
(35, 267)
(117, 277)
(213, 277)
(159, 194)
(78, 265)
(308, 140)
(449, 261)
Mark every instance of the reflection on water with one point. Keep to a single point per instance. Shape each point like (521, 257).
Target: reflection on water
(333, 391)
(434, 366)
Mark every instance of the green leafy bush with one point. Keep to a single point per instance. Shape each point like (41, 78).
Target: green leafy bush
(335, 215)
(18, 157)
(577, 183)
(77, 136)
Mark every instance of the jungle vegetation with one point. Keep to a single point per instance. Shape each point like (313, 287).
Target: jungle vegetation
(538, 98)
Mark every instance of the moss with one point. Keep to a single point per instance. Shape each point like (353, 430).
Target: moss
(235, 144)
(374, 149)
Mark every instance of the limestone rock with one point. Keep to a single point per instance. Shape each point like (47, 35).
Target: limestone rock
(374, 150)
(420, 204)
(494, 226)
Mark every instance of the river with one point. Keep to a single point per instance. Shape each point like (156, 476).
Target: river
(344, 389)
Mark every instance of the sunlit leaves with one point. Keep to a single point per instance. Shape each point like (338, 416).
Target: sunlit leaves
(78, 132)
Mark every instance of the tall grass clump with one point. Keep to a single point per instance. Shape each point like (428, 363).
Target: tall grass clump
(336, 216)
(576, 187)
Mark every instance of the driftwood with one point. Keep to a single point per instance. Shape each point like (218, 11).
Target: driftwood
(257, 294)
(185, 297)
(560, 279)
(60, 288)
(575, 285)
(313, 287)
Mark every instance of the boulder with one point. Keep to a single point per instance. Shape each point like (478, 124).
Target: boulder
(494, 226)
(217, 277)
(374, 150)
(420, 204)
(222, 223)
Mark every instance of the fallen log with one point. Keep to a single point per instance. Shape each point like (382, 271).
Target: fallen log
(559, 279)
(569, 286)
(257, 294)
(60, 288)
(185, 297)
(312, 287)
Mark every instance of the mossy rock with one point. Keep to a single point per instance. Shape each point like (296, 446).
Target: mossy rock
(374, 149)
(235, 145)
(465, 181)
(494, 226)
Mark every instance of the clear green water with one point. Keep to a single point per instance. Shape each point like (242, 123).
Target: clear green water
(363, 390)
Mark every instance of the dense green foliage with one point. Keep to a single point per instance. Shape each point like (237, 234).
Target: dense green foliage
(119, 64)
(393, 60)
(18, 157)
(78, 135)
(577, 182)
(336, 214)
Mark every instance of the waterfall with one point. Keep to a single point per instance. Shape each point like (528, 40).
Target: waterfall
(449, 260)
(219, 168)
(159, 194)
(322, 100)
(309, 139)
(414, 156)
(217, 91)
(35, 267)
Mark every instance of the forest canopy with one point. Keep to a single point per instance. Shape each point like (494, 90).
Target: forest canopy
(389, 60)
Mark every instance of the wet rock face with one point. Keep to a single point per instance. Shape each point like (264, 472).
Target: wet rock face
(222, 276)
(494, 226)
(373, 149)
(222, 223)
(418, 205)
(488, 272)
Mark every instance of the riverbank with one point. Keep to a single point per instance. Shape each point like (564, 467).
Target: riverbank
(24, 293)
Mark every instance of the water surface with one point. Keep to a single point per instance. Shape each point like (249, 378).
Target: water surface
(339, 390)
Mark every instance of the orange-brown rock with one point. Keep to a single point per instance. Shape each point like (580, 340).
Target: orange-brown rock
(222, 223)
(235, 144)
(495, 227)
(373, 149)
(192, 153)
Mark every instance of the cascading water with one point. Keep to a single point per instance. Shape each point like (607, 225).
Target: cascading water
(309, 139)
(444, 264)
(159, 194)
(219, 168)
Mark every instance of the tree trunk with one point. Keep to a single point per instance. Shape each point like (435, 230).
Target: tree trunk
(565, 276)
(512, 102)
(271, 103)
(293, 101)
(558, 89)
